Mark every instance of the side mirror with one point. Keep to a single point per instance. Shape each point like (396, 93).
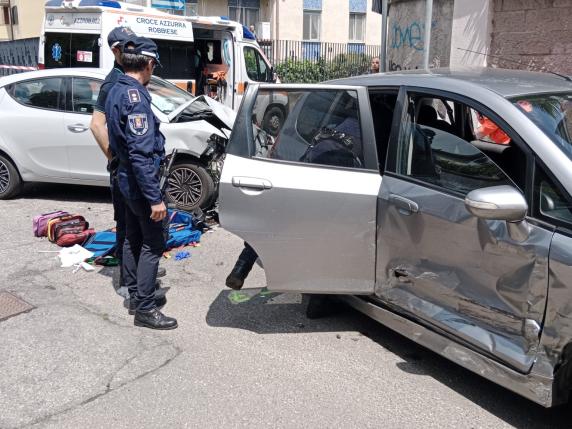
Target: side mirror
(497, 203)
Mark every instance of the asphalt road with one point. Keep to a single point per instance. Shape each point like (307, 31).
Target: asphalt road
(248, 360)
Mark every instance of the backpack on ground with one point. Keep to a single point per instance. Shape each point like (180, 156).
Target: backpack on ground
(182, 229)
(40, 222)
(101, 243)
(66, 224)
(67, 240)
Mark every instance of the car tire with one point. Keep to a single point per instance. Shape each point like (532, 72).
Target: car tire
(273, 120)
(10, 181)
(190, 186)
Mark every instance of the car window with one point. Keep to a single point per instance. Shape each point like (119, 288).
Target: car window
(167, 97)
(553, 203)
(42, 93)
(256, 68)
(313, 127)
(445, 154)
(84, 94)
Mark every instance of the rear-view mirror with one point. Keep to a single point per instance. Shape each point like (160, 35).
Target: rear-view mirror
(497, 203)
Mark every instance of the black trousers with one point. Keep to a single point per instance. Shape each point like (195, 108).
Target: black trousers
(247, 257)
(119, 217)
(144, 246)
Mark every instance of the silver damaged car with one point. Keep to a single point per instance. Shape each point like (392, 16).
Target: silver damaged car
(438, 203)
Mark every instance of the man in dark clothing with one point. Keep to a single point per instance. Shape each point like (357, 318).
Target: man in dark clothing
(135, 138)
(116, 39)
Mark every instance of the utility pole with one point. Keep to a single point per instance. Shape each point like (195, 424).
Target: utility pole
(428, 20)
(383, 59)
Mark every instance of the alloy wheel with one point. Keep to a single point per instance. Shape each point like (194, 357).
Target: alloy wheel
(185, 186)
(4, 177)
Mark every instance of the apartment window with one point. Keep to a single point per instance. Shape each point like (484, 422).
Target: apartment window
(15, 15)
(357, 27)
(245, 15)
(5, 16)
(312, 25)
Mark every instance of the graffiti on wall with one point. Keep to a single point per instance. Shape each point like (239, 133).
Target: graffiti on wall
(407, 34)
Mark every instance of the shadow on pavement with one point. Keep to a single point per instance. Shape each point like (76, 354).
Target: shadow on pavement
(264, 312)
(59, 192)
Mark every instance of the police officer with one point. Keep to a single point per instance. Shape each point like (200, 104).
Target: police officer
(116, 39)
(135, 137)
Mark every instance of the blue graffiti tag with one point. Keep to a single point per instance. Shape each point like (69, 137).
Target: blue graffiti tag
(410, 36)
(56, 52)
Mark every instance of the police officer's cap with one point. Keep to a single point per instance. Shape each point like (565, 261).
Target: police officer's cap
(142, 46)
(118, 36)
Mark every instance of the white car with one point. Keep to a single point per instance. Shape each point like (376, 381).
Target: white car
(45, 135)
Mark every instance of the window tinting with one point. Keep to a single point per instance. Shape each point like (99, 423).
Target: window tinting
(41, 93)
(314, 127)
(84, 94)
(435, 149)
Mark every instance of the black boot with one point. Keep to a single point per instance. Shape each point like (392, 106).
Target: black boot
(154, 319)
(159, 303)
(236, 278)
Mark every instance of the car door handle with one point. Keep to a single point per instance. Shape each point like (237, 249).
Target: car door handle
(251, 183)
(404, 205)
(77, 128)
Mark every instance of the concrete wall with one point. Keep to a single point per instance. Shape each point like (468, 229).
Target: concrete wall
(536, 33)
(407, 33)
(470, 35)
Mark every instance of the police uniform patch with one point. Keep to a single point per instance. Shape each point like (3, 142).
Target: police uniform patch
(138, 123)
(134, 96)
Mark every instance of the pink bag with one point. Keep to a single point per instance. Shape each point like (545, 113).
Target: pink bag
(40, 222)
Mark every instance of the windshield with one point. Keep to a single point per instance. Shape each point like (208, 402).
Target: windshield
(167, 97)
(552, 113)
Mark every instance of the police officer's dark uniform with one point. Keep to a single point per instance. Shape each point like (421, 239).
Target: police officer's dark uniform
(135, 137)
(116, 38)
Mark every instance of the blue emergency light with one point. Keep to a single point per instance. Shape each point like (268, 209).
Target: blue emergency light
(247, 34)
(84, 3)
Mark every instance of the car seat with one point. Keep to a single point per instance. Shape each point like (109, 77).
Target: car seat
(428, 116)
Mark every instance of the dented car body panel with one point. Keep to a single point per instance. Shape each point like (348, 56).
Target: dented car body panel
(483, 280)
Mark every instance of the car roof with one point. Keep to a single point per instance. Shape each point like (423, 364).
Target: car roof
(79, 71)
(507, 83)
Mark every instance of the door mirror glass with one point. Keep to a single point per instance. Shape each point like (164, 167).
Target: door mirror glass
(498, 203)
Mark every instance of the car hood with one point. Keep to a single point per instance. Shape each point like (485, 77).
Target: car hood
(204, 108)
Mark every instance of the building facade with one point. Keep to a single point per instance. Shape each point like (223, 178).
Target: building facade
(339, 21)
(535, 34)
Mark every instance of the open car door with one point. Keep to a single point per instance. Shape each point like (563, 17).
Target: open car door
(304, 197)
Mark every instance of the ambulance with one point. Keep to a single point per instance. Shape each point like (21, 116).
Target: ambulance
(210, 55)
